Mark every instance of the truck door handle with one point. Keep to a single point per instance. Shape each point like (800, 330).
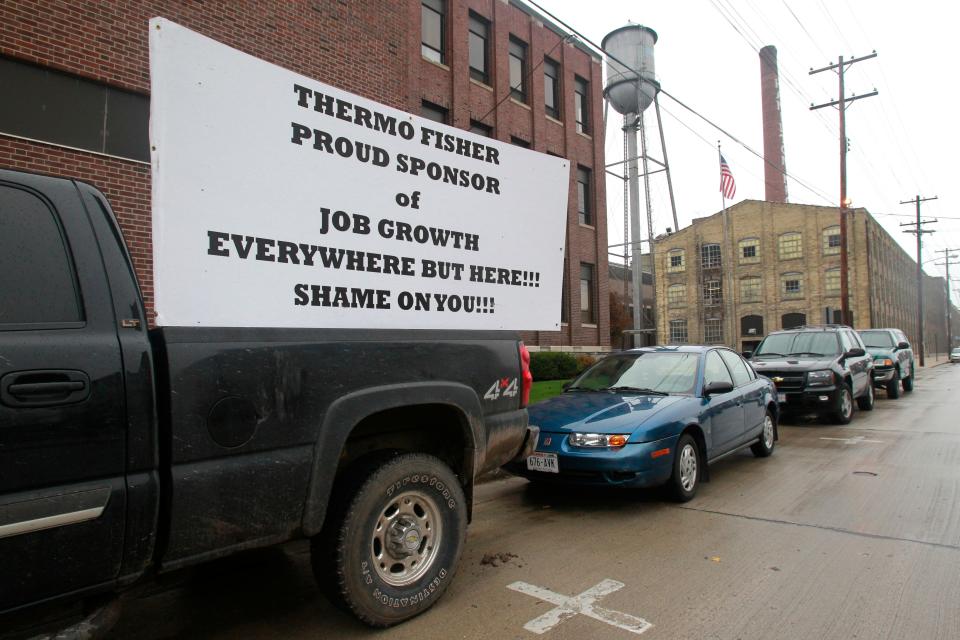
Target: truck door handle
(44, 388)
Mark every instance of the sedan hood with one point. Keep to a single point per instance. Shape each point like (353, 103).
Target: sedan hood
(598, 411)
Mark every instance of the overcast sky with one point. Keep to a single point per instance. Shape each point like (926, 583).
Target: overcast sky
(902, 142)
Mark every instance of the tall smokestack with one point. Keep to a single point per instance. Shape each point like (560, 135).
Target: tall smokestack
(775, 165)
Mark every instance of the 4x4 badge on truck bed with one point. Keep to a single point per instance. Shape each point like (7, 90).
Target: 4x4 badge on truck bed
(509, 389)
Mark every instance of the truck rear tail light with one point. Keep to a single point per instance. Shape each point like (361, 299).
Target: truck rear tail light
(525, 375)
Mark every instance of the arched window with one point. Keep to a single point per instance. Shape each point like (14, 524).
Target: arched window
(790, 245)
(749, 250)
(831, 240)
(675, 261)
(793, 320)
(751, 325)
(791, 285)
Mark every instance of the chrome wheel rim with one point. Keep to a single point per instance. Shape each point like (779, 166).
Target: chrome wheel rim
(688, 468)
(846, 402)
(768, 432)
(406, 538)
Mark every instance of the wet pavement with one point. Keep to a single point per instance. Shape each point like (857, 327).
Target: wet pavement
(845, 532)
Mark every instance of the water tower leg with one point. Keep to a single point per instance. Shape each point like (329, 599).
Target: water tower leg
(630, 132)
(666, 163)
(646, 188)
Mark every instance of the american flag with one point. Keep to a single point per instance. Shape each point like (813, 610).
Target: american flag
(728, 186)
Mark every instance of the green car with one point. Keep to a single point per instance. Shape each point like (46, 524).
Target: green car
(892, 359)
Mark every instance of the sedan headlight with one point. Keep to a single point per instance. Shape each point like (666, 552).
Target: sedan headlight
(822, 377)
(597, 440)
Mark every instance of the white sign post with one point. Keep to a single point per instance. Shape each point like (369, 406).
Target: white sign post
(280, 201)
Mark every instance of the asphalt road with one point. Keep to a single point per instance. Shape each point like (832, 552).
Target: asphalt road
(845, 532)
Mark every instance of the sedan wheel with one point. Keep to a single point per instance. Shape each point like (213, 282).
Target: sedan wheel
(764, 446)
(686, 469)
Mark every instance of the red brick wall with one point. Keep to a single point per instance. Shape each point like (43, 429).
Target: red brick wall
(369, 47)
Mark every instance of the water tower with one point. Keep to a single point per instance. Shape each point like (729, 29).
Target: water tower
(632, 87)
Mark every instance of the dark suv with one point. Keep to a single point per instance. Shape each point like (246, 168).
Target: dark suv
(817, 369)
(892, 359)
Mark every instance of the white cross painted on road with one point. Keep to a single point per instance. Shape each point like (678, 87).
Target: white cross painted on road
(584, 604)
(854, 440)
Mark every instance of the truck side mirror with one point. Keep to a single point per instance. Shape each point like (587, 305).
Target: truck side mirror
(903, 345)
(746, 354)
(855, 352)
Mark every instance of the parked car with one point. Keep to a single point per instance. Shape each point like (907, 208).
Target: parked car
(817, 369)
(127, 452)
(651, 416)
(892, 359)
(955, 355)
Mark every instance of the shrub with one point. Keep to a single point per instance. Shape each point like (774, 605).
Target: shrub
(553, 365)
(584, 361)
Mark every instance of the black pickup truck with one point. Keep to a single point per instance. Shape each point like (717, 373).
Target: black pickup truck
(127, 451)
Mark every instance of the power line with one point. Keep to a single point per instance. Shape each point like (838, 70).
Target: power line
(918, 230)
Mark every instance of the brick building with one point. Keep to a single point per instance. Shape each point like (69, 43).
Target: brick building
(778, 266)
(78, 76)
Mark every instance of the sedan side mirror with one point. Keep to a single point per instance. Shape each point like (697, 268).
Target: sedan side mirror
(567, 384)
(903, 345)
(714, 388)
(855, 352)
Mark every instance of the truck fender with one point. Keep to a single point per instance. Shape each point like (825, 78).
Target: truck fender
(348, 411)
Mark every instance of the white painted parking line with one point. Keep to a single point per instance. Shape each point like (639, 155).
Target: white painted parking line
(584, 604)
(854, 440)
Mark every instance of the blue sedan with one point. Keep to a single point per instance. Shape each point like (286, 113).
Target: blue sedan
(652, 416)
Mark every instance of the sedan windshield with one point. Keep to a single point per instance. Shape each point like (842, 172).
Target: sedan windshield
(805, 344)
(645, 372)
(876, 338)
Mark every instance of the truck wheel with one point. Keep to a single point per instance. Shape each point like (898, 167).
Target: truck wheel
(893, 387)
(393, 544)
(844, 411)
(908, 381)
(865, 402)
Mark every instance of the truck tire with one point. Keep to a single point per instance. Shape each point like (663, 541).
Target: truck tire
(908, 381)
(893, 387)
(391, 544)
(843, 412)
(865, 402)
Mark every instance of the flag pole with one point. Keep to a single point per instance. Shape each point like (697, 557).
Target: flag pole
(726, 265)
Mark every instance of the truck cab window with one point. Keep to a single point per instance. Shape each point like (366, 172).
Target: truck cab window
(37, 284)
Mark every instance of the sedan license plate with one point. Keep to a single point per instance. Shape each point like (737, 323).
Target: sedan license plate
(543, 462)
(781, 398)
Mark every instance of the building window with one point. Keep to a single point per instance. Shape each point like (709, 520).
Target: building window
(675, 261)
(712, 331)
(581, 104)
(64, 109)
(432, 29)
(520, 142)
(433, 112)
(791, 246)
(791, 285)
(750, 251)
(710, 255)
(584, 196)
(565, 298)
(481, 129)
(588, 309)
(832, 281)
(751, 325)
(750, 289)
(479, 47)
(677, 295)
(551, 88)
(518, 69)
(678, 331)
(793, 320)
(712, 293)
(831, 241)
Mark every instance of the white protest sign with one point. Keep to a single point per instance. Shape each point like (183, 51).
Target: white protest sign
(280, 201)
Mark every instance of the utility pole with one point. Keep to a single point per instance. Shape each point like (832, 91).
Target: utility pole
(947, 261)
(919, 231)
(841, 104)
